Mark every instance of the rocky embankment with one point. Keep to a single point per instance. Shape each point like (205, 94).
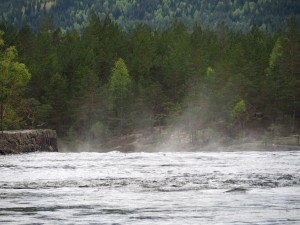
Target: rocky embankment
(25, 141)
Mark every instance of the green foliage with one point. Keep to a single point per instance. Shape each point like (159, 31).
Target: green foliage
(275, 56)
(14, 76)
(120, 83)
(155, 13)
(201, 79)
(240, 114)
(87, 105)
(209, 72)
(12, 120)
(98, 129)
(71, 134)
(239, 108)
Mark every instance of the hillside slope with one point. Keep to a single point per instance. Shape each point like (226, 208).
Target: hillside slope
(238, 14)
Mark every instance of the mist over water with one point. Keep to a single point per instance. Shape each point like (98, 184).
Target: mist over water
(251, 187)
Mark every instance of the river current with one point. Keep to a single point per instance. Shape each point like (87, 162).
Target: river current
(151, 188)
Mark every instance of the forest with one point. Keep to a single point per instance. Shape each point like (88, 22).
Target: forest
(74, 14)
(106, 81)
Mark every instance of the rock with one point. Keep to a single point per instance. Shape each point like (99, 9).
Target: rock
(238, 189)
(25, 141)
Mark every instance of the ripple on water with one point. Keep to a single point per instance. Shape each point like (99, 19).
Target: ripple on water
(145, 188)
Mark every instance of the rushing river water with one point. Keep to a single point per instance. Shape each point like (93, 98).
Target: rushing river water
(150, 188)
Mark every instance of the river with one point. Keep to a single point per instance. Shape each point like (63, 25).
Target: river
(250, 187)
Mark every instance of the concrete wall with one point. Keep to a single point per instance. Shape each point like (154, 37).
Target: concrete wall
(24, 141)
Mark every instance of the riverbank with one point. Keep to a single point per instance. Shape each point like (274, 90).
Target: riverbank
(25, 141)
(162, 141)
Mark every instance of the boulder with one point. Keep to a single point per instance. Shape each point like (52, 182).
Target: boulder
(25, 141)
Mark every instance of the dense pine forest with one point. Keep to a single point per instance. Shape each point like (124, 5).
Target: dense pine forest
(238, 14)
(105, 81)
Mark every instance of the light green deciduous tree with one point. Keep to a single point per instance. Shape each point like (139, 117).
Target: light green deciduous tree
(14, 76)
(120, 84)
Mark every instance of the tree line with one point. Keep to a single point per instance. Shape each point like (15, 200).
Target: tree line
(68, 14)
(106, 81)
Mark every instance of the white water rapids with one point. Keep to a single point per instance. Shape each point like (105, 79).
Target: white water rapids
(151, 188)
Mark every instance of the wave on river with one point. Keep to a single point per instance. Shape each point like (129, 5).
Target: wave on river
(151, 188)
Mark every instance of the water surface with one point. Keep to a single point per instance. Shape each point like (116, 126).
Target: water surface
(151, 188)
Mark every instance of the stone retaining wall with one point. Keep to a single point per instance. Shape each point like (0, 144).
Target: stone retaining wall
(25, 141)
